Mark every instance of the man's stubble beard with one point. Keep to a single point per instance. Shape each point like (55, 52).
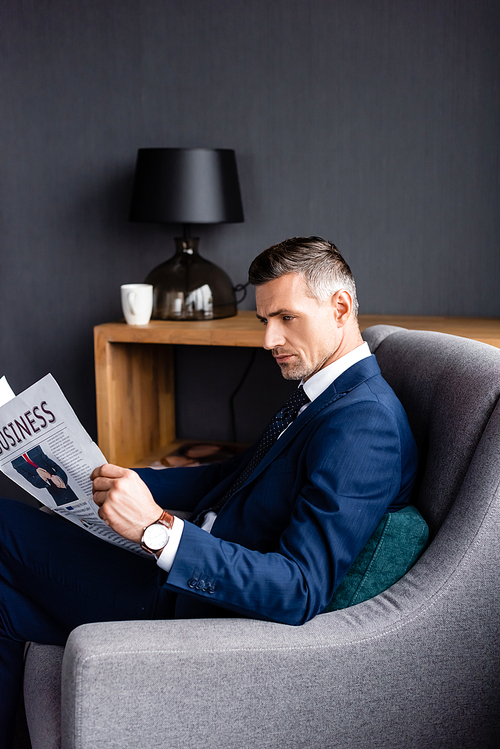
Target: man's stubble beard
(293, 372)
(299, 370)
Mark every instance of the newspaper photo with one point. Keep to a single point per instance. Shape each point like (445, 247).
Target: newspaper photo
(45, 449)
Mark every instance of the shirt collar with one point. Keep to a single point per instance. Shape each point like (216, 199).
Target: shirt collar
(319, 382)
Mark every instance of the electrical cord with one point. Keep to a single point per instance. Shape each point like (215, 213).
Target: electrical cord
(240, 288)
(243, 288)
(236, 391)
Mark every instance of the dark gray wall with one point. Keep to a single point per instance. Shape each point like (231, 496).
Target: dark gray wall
(371, 122)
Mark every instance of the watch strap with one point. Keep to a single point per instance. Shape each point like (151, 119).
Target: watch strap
(166, 519)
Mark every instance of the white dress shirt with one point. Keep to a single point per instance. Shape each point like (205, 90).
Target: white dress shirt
(313, 387)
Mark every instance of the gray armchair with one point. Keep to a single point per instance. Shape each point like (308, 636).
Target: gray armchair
(416, 666)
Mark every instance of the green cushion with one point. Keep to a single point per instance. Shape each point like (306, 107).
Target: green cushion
(398, 541)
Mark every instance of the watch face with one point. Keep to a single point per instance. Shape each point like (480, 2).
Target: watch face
(155, 536)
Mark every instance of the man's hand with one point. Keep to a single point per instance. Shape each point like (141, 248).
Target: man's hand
(125, 502)
(45, 475)
(57, 481)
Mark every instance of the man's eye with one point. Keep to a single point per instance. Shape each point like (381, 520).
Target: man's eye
(286, 318)
(262, 321)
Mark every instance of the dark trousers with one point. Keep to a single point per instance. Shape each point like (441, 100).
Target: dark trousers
(55, 576)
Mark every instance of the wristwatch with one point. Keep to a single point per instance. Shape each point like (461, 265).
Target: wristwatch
(155, 537)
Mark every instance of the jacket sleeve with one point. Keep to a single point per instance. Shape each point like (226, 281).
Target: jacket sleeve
(31, 476)
(350, 472)
(184, 488)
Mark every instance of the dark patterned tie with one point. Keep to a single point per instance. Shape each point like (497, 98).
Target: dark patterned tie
(276, 426)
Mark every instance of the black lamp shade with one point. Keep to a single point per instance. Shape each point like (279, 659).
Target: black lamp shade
(186, 186)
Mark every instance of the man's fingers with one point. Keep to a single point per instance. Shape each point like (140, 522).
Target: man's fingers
(99, 498)
(95, 473)
(103, 478)
(102, 515)
(108, 470)
(106, 488)
(101, 484)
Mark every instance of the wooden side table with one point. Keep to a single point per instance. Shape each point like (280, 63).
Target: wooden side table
(135, 372)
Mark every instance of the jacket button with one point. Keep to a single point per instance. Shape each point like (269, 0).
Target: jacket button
(210, 588)
(191, 582)
(200, 584)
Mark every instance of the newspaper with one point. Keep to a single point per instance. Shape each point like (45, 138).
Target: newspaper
(45, 449)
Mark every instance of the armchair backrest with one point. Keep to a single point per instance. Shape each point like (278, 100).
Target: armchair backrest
(449, 387)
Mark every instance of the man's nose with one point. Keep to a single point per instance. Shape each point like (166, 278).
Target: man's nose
(273, 337)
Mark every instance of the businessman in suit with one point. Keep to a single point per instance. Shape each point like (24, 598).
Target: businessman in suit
(44, 473)
(272, 532)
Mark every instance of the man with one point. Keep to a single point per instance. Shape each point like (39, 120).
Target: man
(44, 473)
(273, 531)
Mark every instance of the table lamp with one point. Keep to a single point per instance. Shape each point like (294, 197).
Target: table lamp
(188, 186)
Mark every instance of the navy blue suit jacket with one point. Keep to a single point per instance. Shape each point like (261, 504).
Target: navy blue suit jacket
(286, 538)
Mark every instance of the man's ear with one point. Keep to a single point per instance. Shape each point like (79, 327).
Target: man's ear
(342, 306)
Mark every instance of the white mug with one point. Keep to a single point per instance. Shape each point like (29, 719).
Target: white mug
(137, 302)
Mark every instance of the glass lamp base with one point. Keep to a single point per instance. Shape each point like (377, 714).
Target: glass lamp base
(188, 287)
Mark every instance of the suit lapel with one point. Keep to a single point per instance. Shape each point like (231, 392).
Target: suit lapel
(347, 381)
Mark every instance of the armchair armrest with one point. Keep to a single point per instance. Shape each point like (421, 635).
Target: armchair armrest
(224, 682)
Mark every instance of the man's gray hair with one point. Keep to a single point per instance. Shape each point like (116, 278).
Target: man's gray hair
(318, 261)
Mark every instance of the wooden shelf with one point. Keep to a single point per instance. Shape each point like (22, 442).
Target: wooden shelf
(164, 450)
(242, 330)
(135, 373)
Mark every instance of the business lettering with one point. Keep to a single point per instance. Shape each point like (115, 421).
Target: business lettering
(26, 425)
